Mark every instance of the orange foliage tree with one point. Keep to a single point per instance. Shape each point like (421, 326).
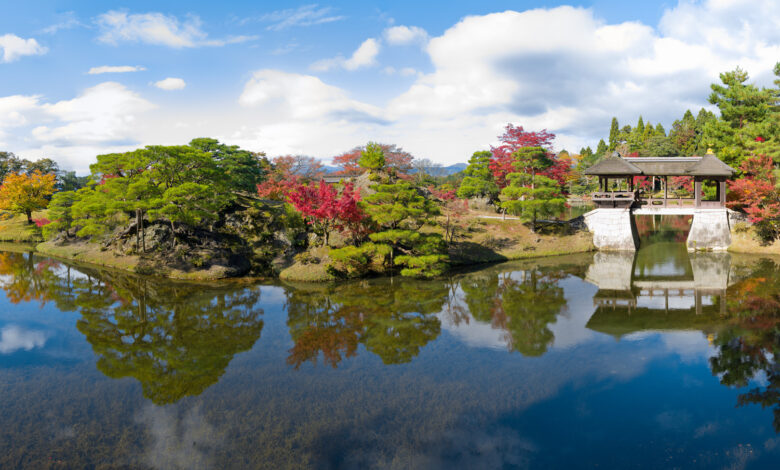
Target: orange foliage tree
(26, 193)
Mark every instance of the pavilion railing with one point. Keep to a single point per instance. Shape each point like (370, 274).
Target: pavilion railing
(667, 202)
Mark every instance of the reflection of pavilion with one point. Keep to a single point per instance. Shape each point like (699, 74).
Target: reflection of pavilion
(689, 295)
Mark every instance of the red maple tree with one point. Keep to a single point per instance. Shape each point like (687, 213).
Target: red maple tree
(755, 192)
(322, 206)
(514, 138)
(287, 172)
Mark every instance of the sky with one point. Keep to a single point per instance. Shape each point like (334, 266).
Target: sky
(439, 79)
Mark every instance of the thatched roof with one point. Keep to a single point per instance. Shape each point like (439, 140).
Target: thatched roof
(613, 166)
(708, 165)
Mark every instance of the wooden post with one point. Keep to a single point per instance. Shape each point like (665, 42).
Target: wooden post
(665, 192)
(722, 192)
(697, 191)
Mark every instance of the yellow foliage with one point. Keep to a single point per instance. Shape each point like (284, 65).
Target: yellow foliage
(26, 193)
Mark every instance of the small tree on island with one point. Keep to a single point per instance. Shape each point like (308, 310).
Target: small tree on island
(478, 181)
(326, 210)
(24, 194)
(530, 195)
(399, 211)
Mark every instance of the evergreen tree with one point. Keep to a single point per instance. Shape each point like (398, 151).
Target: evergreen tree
(399, 211)
(614, 134)
(478, 181)
(530, 195)
(601, 148)
(746, 113)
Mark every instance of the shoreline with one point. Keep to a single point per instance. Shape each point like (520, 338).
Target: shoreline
(463, 254)
(92, 255)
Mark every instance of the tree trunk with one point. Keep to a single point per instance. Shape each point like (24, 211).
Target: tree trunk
(29, 217)
(137, 229)
(173, 236)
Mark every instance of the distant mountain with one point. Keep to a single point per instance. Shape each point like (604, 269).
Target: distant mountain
(456, 168)
(445, 170)
(330, 169)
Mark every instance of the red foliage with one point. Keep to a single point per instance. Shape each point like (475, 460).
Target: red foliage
(514, 138)
(755, 192)
(321, 205)
(41, 222)
(644, 183)
(685, 182)
(444, 195)
(105, 178)
(395, 158)
(289, 171)
(760, 139)
(558, 171)
(277, 189)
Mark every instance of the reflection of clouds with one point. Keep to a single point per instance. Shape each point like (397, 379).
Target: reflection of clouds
(569, 328)
(178, 441)
(706, 430)
(14, 338)
(474, 333)
(674, 419)
(691, 346)
(466, 447)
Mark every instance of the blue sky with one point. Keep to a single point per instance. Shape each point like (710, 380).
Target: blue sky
(437, 78)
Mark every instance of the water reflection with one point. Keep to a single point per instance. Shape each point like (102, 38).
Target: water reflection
(176, 339)
(749, 348)
(520, 303)
(392, 320)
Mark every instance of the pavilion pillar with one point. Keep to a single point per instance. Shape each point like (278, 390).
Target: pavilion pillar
(665, 192)
(697, 190)
(722, 193)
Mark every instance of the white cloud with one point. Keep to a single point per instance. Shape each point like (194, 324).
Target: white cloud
(13, 338)
(403, 35)
(68, 20)
(171, 83)
(305, 15)
(157, 29)
(288, 112)
(484, 71)
(115, 69)
(514, 67)
(13, 47)
(364, 56)
(102, 114)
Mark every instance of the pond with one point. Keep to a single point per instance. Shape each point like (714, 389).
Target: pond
(653, 360)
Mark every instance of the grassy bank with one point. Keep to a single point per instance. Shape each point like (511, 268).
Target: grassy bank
(14, 228)
(93, 254)
(745, 240)
(484, 241)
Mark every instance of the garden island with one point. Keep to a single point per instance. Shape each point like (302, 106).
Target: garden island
(209, 210)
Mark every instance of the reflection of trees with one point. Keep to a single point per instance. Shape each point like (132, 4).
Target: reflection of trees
(522, 303)
(393, 321)
(176, 339)
(25, 278)
(750, 347)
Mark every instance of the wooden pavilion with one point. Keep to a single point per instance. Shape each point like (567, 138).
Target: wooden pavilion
(616, 169)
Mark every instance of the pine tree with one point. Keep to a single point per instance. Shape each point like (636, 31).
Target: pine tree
(614, 134)
(478, 181)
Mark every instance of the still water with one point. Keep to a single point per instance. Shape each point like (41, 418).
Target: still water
(659, 360)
